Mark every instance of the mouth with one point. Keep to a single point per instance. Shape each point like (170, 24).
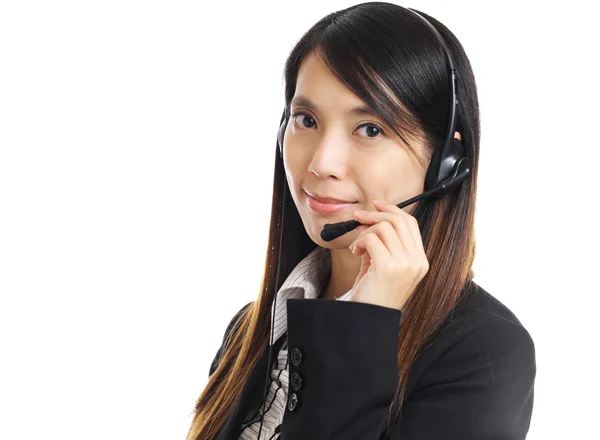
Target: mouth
(326, 205)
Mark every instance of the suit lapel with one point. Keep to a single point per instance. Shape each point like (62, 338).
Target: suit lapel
(252, 394)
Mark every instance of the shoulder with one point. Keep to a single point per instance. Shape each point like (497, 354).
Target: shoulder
(235, 320)
(476, 377)
(485, 323)
(238, 315)
(229, 331)
(480, 336)
(479, 310)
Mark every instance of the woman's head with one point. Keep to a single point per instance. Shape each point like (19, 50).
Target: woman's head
(386, 59)
(337, 146)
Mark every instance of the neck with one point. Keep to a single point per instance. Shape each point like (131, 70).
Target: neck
(344, 268)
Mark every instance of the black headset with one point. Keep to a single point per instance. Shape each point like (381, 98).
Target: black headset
(448, 168)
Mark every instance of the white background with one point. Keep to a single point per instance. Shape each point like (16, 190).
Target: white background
(137, 143)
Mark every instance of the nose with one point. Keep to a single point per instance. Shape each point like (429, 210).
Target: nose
(330, 158)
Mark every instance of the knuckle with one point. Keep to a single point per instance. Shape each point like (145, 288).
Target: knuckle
(395, 222)
(403, 265)
(389, 226)
(415, 267)
(390, 267)
(400, 222)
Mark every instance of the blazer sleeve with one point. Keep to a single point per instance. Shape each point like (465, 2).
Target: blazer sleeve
(344, 373)
(343, 369)
(215, 363)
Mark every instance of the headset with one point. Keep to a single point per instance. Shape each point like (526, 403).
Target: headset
(448, 168)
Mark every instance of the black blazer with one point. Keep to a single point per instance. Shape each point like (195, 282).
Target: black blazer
(475, 380)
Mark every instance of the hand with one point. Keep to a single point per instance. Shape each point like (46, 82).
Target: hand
(393, 259)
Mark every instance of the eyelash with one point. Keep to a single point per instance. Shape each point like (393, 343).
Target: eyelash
(382, 132)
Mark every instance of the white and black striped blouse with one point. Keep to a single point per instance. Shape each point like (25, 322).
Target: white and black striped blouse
(307, 281)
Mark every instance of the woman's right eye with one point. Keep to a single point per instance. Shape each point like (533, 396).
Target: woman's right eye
(303, 120)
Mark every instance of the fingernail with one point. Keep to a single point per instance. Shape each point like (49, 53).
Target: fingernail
(379, 202)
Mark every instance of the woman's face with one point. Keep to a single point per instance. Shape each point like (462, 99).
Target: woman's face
(334, 152)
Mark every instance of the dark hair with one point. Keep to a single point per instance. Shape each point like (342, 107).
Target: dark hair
(392, 60)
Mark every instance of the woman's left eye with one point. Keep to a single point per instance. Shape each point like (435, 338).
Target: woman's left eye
(372, 129)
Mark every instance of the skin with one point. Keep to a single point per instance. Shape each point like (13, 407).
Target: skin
(328, 151)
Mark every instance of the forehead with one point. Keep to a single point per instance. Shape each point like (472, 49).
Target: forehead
(316, 82)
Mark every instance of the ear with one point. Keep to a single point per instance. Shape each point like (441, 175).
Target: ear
(457, 135)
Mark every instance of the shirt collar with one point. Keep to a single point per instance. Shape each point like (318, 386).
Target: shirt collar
(306, 281)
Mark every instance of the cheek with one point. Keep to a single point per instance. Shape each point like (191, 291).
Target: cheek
(378, 178)
(394, 182)
(295, 174)
(293, 157)
(293, 171)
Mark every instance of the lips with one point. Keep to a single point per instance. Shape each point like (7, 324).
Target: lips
(327, 205)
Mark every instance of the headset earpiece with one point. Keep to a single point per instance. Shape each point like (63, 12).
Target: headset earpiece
(443, 164)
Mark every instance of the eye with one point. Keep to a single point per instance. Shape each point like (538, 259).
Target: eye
(294, 115)
(372, 131)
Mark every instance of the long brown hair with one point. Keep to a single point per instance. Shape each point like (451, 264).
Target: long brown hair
(390, 59)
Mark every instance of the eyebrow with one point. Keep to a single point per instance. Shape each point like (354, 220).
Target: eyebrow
(303, 101)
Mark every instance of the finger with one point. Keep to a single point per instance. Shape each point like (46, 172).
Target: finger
(388, 235)
(373, 244)
(383, 206)
(401, 227)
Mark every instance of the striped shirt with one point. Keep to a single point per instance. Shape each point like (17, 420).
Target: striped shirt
(307, 281)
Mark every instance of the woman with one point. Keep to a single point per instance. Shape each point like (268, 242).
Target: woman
(402, 344)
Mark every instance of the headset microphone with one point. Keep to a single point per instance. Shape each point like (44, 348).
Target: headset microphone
(449, 166)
